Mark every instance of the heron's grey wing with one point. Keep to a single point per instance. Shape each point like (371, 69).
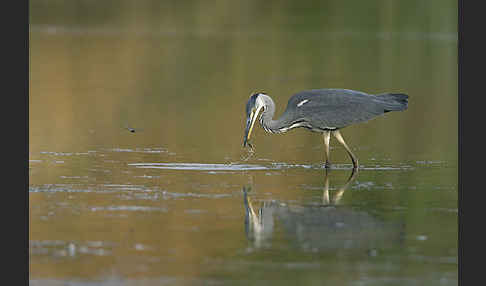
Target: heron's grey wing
(334, 108)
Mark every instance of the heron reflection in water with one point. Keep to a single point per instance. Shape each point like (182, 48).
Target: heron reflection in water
(324, 111)
(325, 227)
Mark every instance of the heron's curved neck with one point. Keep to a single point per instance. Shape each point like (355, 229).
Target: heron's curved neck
(266, 120)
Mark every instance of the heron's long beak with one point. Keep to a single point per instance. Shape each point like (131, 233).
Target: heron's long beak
(250, 122)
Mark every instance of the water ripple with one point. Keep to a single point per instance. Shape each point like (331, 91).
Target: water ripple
(198, 166)
(244, 167)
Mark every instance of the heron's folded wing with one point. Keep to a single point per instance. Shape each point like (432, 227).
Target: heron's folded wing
(338, 110)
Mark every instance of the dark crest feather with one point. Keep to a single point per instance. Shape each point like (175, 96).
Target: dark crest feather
(251, 103)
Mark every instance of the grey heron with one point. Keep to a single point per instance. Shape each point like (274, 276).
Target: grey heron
(321, 110)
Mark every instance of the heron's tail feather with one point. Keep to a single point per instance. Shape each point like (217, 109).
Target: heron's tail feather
(394, 101)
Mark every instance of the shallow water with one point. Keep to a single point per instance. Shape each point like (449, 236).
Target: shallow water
(137, 174)
(189, 223)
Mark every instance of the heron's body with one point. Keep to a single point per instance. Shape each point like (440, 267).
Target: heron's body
(322, 110)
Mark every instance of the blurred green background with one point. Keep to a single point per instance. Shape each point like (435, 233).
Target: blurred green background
(183, 71)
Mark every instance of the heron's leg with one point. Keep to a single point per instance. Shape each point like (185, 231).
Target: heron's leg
(338, 136)
(327, 139)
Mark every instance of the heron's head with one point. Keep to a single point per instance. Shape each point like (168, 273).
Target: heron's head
(253, 107)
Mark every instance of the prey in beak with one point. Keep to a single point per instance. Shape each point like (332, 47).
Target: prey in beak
(252, 112)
